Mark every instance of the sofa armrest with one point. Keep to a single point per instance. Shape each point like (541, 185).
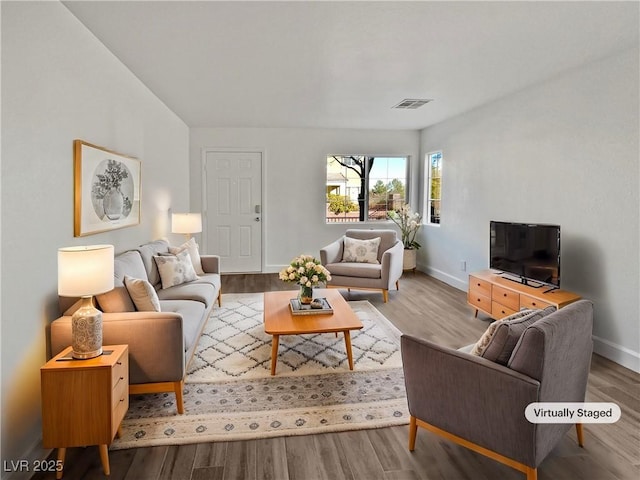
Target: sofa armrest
(470, 397)
(210, 263)
(392, 264)
(332, 253)
(155, 339)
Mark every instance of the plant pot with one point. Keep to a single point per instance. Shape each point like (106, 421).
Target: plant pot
(409, 259)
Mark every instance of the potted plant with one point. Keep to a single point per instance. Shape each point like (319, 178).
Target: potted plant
(409, 224)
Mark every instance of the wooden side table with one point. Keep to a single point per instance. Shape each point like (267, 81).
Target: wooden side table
(84, 401)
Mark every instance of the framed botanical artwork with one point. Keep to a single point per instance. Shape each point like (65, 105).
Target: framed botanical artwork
(106, 189)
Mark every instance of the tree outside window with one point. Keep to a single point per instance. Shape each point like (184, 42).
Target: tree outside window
(363, 188)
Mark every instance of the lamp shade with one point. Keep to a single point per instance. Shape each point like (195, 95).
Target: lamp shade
(84, 271)
(186, 222)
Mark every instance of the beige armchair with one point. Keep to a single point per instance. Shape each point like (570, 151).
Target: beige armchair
(381, 272)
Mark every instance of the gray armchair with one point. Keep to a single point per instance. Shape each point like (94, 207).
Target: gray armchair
(368, 276)
(480, 404)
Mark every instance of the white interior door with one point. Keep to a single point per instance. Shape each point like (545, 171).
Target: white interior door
(232, 191)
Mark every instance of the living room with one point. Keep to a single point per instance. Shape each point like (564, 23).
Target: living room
(562, 149)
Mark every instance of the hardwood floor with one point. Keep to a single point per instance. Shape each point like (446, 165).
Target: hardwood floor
(424, 307)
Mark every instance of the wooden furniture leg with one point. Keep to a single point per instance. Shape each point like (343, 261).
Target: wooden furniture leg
(347, 342)
(579, 434)
(385, 295)
(61, 454)
(274, 353)
(178, 387)
(413, 431)
(104, 458)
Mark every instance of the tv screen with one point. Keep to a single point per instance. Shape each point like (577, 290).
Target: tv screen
(530, 251)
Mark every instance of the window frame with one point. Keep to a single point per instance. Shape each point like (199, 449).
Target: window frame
(369, 186)
(428, 194)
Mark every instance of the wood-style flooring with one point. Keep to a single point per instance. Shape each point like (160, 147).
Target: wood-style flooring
(424, 307)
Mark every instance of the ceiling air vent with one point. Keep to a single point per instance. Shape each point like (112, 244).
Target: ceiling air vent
(412, 103)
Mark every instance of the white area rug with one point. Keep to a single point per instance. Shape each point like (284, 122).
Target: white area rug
(230, 394)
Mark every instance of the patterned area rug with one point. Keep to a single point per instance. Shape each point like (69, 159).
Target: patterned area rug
(230, 394)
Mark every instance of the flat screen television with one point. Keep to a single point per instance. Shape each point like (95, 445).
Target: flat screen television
(527, 251)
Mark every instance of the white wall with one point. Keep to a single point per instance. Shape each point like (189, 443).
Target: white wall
(60, 83)
(564, 152)
(295, 178)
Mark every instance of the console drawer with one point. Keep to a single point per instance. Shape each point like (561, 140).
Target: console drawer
(499, 311)
(479, 301)
(529, 302)
(508, 298)
(479, 286)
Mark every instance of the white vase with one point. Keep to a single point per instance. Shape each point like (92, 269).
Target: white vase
(409, 259)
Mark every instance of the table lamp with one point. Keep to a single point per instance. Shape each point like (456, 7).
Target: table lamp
(186, 223)
(83, 272)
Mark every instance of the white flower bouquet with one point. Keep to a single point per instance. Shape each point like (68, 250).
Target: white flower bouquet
(409, 224)
(306, 271)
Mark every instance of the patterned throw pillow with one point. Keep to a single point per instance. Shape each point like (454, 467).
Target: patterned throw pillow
(175, 269)
(143, 294)
(361, 251)
(482, 344)
(192, 247)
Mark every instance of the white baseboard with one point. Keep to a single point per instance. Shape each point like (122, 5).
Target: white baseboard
(617, 353)
(445, 277)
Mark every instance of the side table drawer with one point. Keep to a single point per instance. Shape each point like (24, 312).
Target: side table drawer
(120, 371)
(508, 298)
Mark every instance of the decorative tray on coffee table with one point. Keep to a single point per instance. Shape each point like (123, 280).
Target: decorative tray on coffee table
(298, 308)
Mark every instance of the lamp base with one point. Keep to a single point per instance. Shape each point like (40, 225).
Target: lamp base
(86, 331)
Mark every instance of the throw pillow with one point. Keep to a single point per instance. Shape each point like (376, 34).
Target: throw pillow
(482, 344)
(143, 294)
(361, 251)
(175, 269)
(192, 247)
(507, 333)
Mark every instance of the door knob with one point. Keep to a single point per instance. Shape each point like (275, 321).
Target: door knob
(257, 219)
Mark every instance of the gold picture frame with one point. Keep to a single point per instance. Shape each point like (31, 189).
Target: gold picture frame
(106, 189)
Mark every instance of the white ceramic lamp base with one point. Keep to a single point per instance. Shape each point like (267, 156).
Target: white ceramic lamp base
(86, 331)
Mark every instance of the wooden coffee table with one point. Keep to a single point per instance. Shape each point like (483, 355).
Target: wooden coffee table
(278, 320)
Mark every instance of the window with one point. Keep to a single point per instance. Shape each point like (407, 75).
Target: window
(433, 187)
(364, 188)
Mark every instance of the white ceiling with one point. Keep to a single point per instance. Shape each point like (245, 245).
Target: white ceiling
(345, 64)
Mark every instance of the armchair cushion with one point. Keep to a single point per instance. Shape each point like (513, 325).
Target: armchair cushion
(350, 269)
(361, 251)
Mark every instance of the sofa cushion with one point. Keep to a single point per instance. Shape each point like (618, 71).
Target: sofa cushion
(211, 279)
(192, 247)
(199, 292)
(143, 294)
(362, 270)
(175, 269)
(361, 251)
(482, 344)
(508, 333)
(118, 300)
(147, 252)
